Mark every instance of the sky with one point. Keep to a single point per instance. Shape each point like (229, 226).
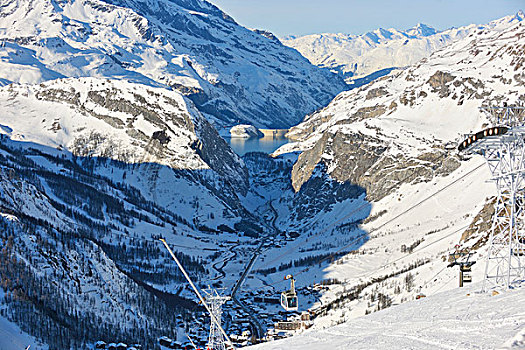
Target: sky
(300, 17)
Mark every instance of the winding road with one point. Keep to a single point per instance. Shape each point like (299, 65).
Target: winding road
(251, 314)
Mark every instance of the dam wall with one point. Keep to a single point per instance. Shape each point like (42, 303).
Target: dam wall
(274, 132)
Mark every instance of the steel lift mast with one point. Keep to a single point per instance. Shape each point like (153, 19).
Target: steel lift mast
(503, 147)
(218, 339)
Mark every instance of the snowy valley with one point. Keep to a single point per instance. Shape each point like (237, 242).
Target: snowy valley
(111, 124)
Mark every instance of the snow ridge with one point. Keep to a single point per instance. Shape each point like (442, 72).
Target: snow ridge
(357, 56)
(229, 72)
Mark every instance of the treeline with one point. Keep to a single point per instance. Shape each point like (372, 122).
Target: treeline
(354, 293)
(81, 187)
(146, 261)
(306, 261)
(44, 294)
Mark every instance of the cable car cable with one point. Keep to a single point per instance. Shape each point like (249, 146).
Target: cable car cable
(335, 223)
(377, 228)
(384, 224)
(433, 277)
(419, 249)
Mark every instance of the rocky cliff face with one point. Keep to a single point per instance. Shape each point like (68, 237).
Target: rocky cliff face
(231, 73)
(400, 129)
(364, 161)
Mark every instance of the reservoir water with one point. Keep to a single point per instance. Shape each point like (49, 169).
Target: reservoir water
(266, 144)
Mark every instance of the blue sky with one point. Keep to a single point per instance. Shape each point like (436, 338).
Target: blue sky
(299, 17)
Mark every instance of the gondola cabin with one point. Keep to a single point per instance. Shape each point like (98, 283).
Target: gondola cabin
(289, 299)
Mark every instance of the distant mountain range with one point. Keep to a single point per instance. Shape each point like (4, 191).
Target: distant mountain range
(355, 57)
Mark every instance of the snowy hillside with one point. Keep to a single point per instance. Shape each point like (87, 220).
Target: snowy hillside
(459, 319)
(379, 51)
(91, 172)
(115, 120)
(409, 197)
(231, 73)
(98, 158)
(429, 104)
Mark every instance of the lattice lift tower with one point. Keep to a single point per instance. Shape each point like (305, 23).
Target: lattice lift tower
(216, 340)
(503, 147)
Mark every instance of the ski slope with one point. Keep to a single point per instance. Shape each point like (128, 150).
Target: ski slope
(12, 337)
(456, 319)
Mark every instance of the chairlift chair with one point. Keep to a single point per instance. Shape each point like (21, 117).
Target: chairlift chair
(465, 266)
(289, 299)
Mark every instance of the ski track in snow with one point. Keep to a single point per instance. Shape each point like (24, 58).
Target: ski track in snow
(457, 319)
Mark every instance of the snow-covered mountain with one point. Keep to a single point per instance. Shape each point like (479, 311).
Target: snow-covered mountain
(231, 73)
(376, 53)
(91, 171)
(99, 158)
(395, 140)
(414, 111)
(107, 144)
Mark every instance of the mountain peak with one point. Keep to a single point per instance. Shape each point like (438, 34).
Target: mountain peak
(177, 44)
(421, 29)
